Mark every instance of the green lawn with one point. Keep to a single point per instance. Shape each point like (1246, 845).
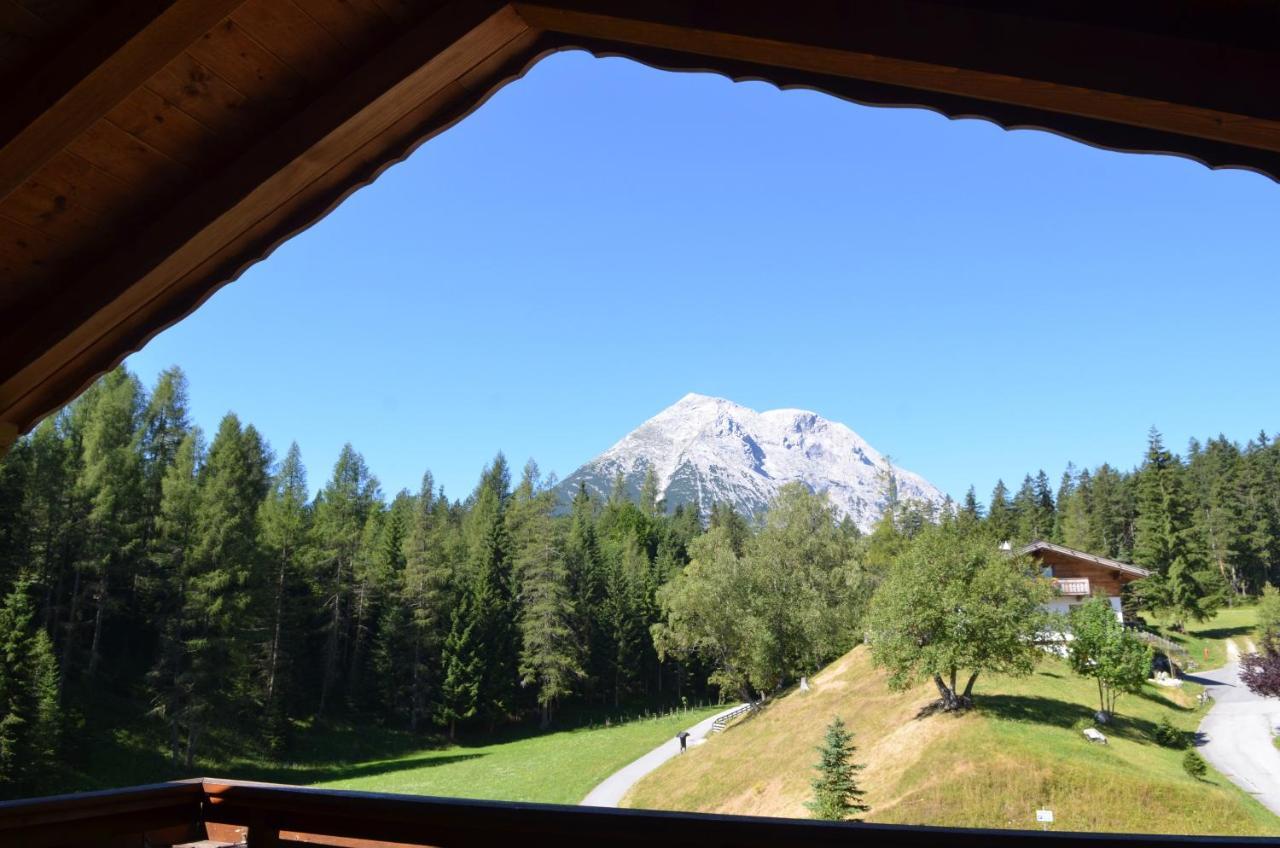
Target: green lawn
(557, 767)
(554, 768)
(1206, 641)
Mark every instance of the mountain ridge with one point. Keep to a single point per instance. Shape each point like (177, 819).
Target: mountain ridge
(706, 449)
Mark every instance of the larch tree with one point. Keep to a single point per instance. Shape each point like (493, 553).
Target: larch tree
(112, 484)
(284, 521)
(172, 546)
(550, 654)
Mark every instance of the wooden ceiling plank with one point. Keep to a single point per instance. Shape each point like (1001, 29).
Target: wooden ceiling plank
(293, 37)
(205, 97)
(156, 122)
(25, 248)
(347, 22)
(126, 157)
(232, 54)
(94, 72)
(53, 213)
(574, 18)
(87, 185)
(123, 293)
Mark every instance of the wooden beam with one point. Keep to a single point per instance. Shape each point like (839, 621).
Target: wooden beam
(428, 78)
(1159, 82)
(94, 72)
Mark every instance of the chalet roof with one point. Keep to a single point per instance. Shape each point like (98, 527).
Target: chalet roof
(1113, 564)
(151, 151)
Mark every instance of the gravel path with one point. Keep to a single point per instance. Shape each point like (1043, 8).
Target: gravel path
(1236, 734)
(609, 793)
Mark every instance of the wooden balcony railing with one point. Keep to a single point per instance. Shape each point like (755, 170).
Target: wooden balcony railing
(270, 816)
(1072, 585)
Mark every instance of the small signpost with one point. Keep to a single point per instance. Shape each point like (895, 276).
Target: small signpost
(1045, 818)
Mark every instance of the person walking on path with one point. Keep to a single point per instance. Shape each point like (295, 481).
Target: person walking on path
(610, 791)
(683, 736)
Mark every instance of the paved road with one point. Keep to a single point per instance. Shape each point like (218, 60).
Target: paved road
(611, 790)
(1236, 734)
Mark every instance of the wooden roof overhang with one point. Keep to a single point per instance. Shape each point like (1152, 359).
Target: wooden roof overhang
(151, 150)
(1131, 572)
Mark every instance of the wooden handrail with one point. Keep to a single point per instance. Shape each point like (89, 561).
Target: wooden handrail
(168, 810)
(271, 812)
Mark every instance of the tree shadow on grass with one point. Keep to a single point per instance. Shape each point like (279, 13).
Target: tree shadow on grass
(309, 774)
(1164, 702)
(1222, 632)
(1057, 713)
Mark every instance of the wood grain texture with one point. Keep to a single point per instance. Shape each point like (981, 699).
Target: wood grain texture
(93, 73)
(288, 180)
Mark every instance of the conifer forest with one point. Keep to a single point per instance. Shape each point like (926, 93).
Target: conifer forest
(194, 577)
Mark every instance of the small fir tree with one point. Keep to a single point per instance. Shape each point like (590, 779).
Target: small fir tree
(836, 796)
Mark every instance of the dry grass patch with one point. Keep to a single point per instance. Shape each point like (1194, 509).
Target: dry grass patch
(1020, 750)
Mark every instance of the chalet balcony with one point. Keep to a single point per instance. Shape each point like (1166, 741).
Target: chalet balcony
(214, 813)
(1076, 586)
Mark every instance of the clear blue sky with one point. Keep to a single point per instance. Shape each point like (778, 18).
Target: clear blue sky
(601, 238)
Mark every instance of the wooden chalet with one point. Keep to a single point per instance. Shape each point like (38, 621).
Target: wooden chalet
(1078, 576)
(151, 150)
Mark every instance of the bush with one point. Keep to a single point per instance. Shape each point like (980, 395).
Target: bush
(1169, 736)
(1194, 765)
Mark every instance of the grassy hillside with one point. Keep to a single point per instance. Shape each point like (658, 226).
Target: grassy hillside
(1022, 749)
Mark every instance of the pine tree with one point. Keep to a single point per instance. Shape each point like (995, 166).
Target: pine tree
(971, 509)
(1000, 515)
(550, 656)
(29, 713)
(284, 520)
(112, 485)
(223, 580)
(341, 513)
(461, 661)
(649, 493)
(172, 550)
(1066, 487)
(836, 795)
(428, 590)
(1181, 584)
(492, 594)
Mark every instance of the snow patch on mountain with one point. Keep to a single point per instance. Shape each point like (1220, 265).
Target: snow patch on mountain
(706, 450)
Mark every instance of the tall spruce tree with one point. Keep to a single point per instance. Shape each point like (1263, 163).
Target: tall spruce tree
(1181, 584)
(30, 719)
(341, 512)
(492, 594)
(1001, 518)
